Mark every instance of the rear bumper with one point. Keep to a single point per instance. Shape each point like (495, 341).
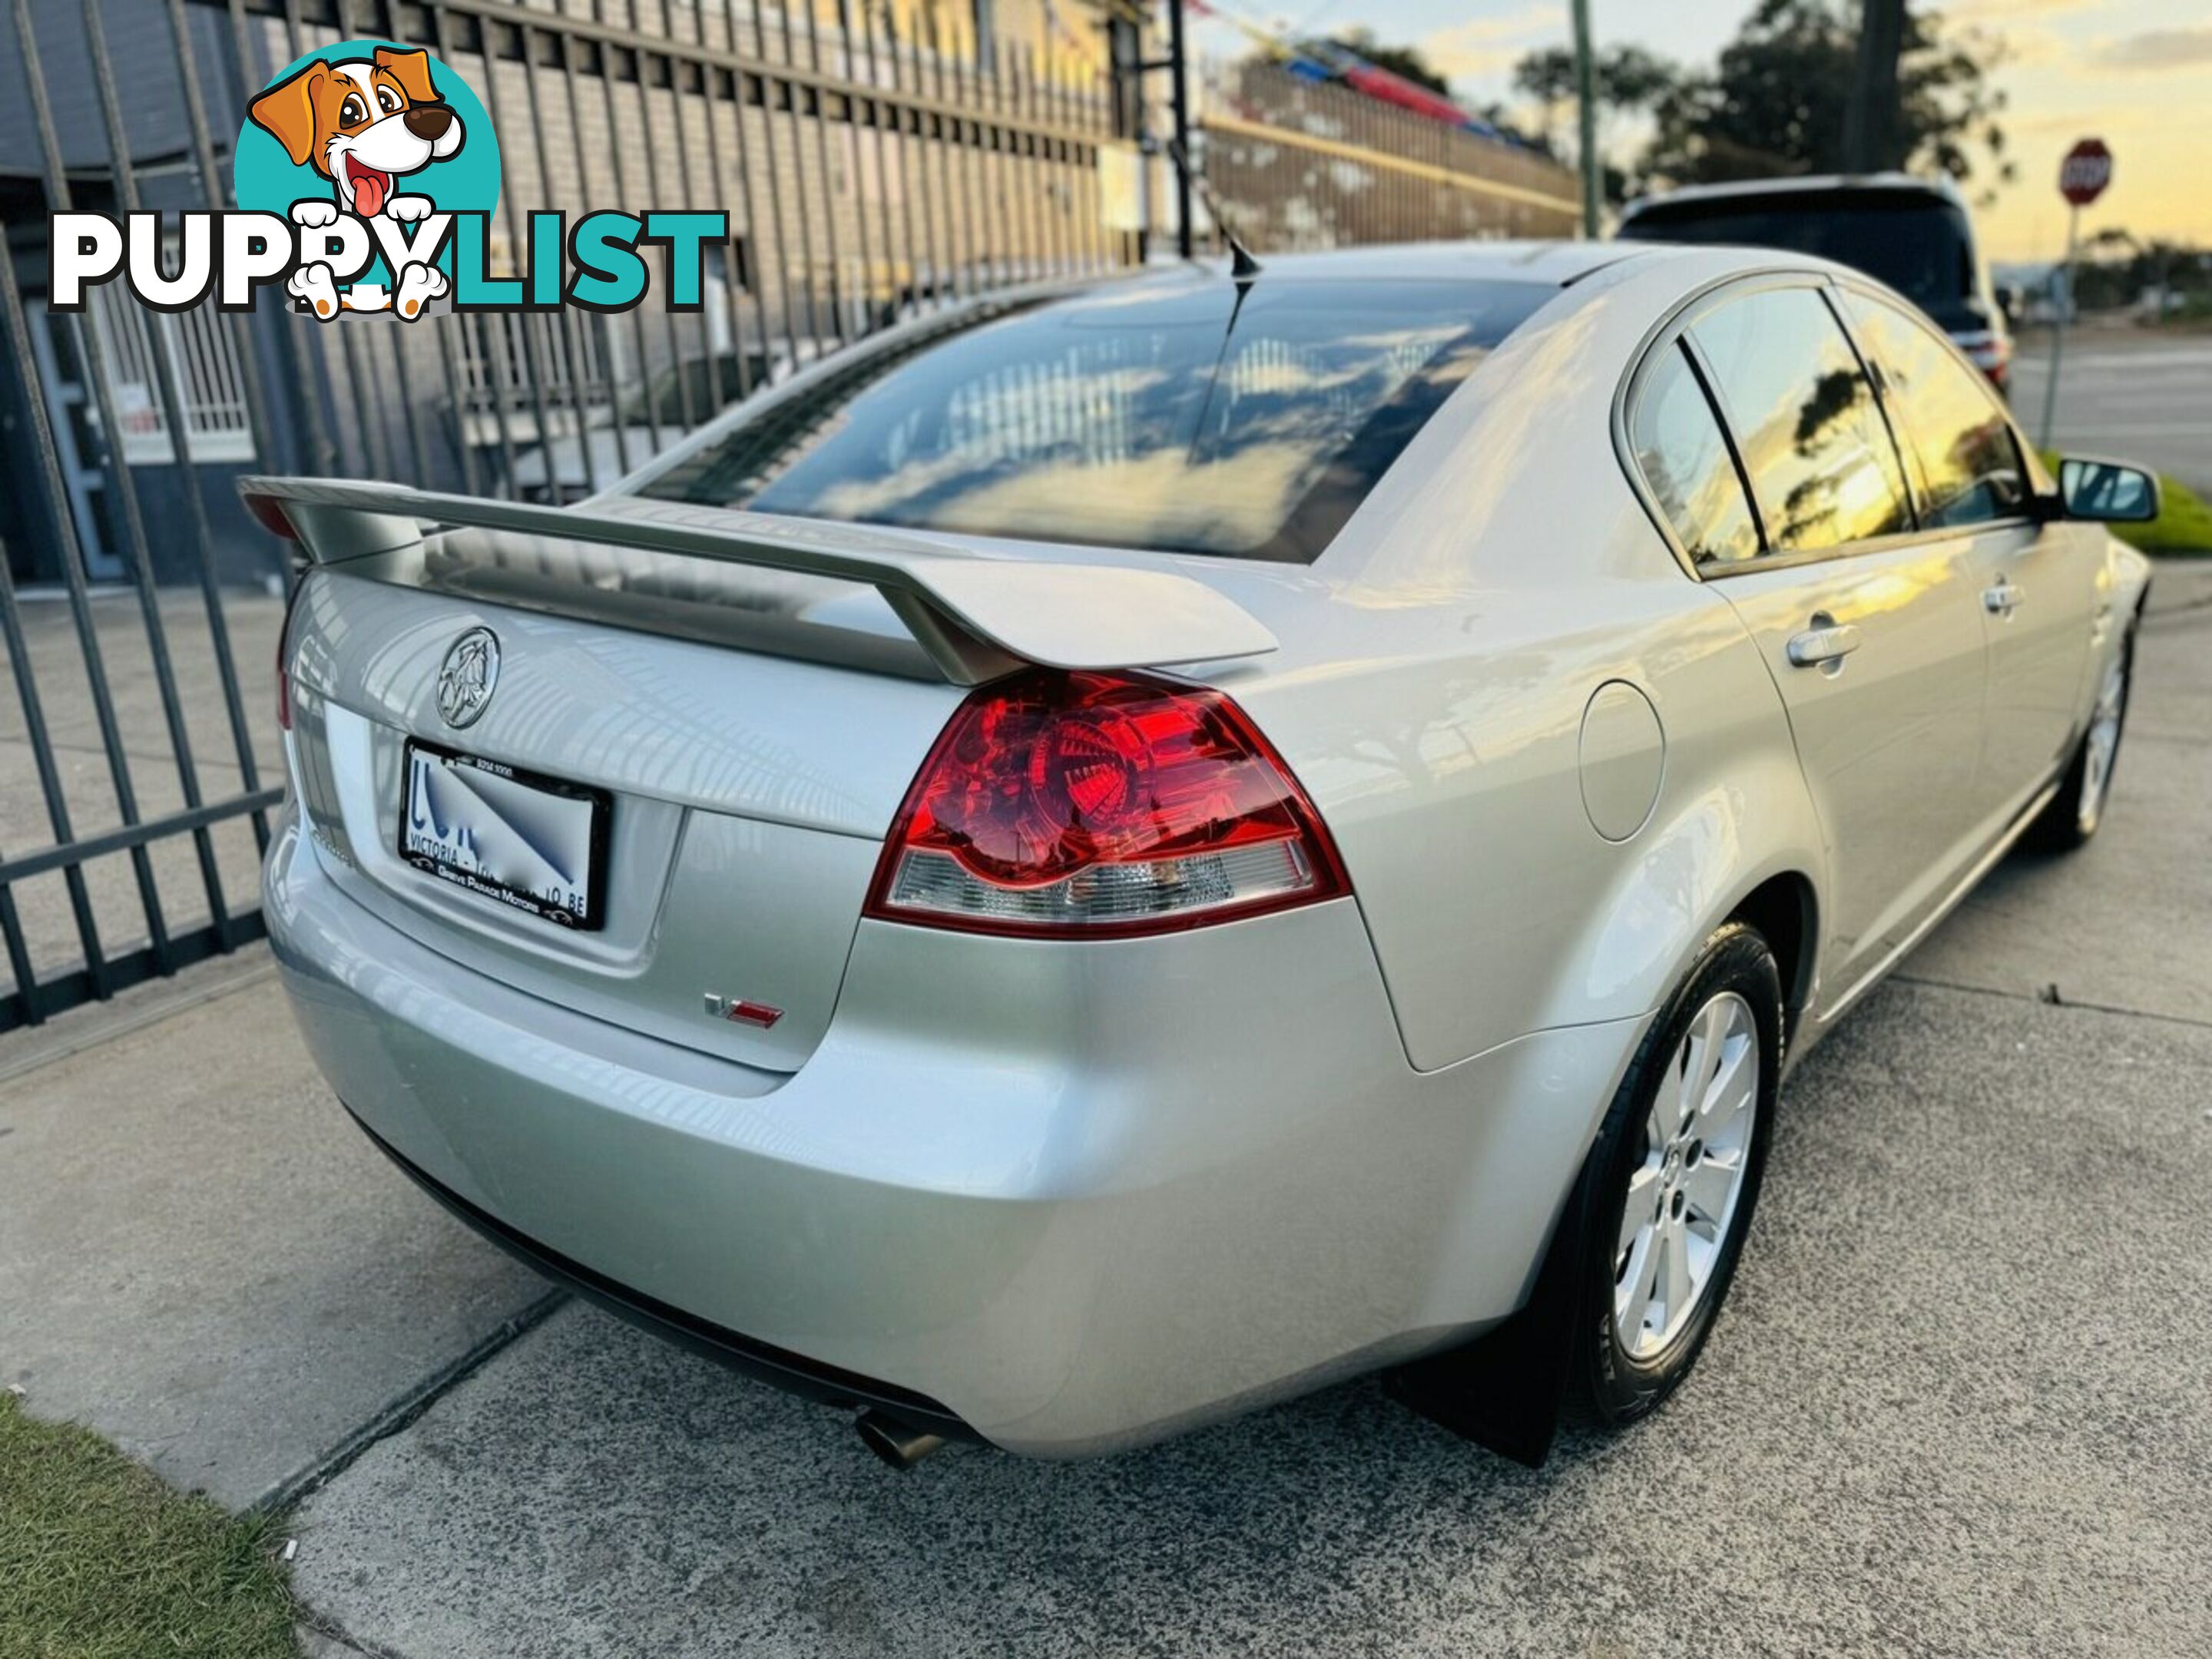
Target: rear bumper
(1072, 1196)
(785, 1370)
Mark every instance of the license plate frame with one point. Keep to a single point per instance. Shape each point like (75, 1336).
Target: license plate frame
(597, 803)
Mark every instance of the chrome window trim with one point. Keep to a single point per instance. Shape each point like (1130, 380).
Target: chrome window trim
(1673, 326)
(2039, 482)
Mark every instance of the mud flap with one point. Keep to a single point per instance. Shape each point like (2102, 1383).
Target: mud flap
(1504, 1389)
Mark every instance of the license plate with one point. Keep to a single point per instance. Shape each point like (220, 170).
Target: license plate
(535, 843)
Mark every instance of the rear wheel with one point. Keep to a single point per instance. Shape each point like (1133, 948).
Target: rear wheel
(1675, 1177)
(2077, 810)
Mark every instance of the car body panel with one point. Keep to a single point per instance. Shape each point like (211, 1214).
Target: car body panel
(2038, 647)
(746, 820)
(1891, 738)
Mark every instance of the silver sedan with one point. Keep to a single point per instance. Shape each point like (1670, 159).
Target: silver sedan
(1120, 851)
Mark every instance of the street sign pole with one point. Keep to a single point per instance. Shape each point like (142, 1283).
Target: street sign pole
(2059, 330)
(2083, 177)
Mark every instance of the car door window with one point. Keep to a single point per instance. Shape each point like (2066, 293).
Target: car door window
(1968, 459)
(1819, 456)
(1685, 458)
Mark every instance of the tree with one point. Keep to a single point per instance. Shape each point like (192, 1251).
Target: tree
(1775, 103)
(1405, 62)
(1628, 79)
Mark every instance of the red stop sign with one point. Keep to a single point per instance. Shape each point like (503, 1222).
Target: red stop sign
(2086, 170)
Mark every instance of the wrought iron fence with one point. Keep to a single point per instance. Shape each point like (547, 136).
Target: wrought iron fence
(872, 167)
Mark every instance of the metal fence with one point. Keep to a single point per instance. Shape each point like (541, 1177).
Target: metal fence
(869, 172)
(1294, 164)
(877, 158)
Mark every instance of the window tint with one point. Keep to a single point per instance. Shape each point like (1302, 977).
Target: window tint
(1920, 246)
(1969, 461)
(1183, 415)
(1821, 460)
(1685, 460)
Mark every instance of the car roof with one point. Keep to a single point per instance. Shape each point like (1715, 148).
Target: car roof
(1551, 263)
(1815, 184)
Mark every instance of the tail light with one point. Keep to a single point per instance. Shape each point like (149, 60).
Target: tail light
(1990, 352)
(1057, 805)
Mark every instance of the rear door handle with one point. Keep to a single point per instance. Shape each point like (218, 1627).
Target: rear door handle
(1830, 642)
(1999, 601)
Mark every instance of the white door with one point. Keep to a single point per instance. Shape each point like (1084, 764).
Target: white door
(1871, 629)
(2037, 580)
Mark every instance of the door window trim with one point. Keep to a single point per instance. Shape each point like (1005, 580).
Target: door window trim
(1673, 329)
(2038, 482)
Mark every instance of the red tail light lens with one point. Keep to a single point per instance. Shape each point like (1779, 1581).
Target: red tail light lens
(269, 512)
(1101, 805)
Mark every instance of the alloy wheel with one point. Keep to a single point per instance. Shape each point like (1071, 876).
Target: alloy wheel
(1683, 1198)
(2103, 743)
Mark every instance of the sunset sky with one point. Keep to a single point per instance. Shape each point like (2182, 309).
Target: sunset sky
(2136, 73)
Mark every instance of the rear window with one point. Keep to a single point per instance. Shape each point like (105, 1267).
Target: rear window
(1170, 415)
(1920, 246)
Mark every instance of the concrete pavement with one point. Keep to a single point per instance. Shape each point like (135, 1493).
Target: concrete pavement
(1954, 1407)
(201, 1258)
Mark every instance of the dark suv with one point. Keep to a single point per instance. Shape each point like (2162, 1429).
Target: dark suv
(1913, 234)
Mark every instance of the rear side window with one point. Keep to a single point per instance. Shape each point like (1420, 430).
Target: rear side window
(1820, 459)
(1685, 460)
(1968, 459)
(1183, 414)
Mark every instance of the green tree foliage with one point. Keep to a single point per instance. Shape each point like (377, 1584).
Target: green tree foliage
(1774, 104)
(1628, 79)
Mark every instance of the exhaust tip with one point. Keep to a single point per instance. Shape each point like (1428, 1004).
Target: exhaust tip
(898, 1445)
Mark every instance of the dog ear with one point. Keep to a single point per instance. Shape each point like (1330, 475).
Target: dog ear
(286, 112)
(412, 70)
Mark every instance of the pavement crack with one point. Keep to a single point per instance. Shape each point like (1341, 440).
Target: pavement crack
(409, 1406)
(2050, 996)
(332, 1633)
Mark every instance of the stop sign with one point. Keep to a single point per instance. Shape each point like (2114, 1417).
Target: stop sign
(2086, 170)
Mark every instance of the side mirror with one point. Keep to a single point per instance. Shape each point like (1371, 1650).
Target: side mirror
(2109, 491)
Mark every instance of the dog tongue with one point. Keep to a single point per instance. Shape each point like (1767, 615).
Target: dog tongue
(368, 194)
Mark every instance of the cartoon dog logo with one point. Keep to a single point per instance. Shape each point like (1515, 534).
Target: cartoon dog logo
(364, 123)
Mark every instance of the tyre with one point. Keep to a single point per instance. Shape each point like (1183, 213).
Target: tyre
(2078, 808)
(1675, 1178)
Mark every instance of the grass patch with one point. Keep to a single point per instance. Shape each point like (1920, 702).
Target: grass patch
(99, 1560)
(2184, 523)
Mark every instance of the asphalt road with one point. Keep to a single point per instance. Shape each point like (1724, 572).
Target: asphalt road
(2136, 394)
(1955, 1405)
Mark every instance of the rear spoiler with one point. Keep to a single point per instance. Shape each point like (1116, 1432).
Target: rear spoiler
(977, 616)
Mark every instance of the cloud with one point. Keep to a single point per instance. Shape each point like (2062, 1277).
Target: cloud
(2076, 123)
(2006, 11)
(1489, 45)
(2154, 50)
